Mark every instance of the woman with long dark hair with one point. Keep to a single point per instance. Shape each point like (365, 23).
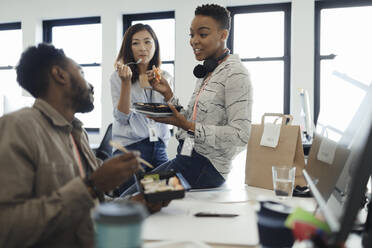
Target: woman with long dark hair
(139, 52)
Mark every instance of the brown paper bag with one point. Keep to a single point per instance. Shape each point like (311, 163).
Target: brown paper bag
(260, 159)
(325, 174)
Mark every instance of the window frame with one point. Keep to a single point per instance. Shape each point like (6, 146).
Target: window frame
(5, 27)
(48, 37)
(129, 18)
(286, 58)
(319, 6)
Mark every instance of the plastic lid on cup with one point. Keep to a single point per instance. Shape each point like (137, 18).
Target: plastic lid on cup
(120, 212)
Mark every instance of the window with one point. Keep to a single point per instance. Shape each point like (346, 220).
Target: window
(163, 24)
(260, 34)
(10, 50)
(343, 54)
(81, 39)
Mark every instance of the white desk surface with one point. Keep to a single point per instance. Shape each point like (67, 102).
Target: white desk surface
(237, 195)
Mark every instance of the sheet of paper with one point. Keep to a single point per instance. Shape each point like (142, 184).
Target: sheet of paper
(177, 222)
(221, 196)
(178, 244)
(271, 134)
(327, 150)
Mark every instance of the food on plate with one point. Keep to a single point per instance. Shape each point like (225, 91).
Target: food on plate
(152, 185)
(157, 73)
(147, 180)
(154, 107)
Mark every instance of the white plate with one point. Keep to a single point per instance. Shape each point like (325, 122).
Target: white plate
(153, 114)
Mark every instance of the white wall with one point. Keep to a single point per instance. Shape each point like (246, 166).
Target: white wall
(302, 53)
(32, 13)
(1, 105)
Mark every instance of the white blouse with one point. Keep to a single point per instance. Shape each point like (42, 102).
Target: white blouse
(224, 114)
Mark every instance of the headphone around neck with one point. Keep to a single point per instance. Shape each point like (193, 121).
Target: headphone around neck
(200, 71)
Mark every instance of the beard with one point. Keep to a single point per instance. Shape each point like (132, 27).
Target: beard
(82, 98)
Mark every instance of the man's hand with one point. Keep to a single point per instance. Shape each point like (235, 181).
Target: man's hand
(115, 171)
(152, 207)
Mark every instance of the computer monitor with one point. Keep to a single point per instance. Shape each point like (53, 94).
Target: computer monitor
(341, 124)
(340, 193)
(356, 189)
(361, 159)
(306, 115)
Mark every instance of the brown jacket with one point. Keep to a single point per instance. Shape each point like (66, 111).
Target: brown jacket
(43, 201)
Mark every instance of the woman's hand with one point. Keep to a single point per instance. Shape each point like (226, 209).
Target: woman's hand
(161, 85)
(124, 71)
(125, 74)
(177, 119)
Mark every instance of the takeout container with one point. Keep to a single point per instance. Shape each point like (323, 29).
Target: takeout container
(164, 195)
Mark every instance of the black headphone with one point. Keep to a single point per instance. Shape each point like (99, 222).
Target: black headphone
(208, 65)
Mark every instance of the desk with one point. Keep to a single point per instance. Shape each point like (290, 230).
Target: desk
(244, 195)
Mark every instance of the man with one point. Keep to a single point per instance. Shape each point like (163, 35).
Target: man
(49, 176)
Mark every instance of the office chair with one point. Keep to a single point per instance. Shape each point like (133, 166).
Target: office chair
(104, 151)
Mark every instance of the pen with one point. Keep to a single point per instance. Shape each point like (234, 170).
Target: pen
(204, 214)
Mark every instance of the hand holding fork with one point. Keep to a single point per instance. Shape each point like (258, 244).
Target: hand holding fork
(120, 65)
(124, 71)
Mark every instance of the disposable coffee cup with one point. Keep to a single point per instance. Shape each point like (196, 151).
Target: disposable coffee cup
(119, 224)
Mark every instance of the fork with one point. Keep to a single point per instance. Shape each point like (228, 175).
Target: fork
(119, 64)
(134, 63)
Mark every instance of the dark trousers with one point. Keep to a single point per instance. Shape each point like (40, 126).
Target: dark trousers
(197, 170)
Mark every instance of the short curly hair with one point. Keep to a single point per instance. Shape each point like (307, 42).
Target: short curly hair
(217, 12)
(34, 65)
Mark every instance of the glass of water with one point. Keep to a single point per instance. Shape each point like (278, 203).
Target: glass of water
(283, 181)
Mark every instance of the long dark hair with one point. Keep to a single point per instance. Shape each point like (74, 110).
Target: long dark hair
(126, 53)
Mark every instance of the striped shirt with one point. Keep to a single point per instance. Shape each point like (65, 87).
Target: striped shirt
(224, 111)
